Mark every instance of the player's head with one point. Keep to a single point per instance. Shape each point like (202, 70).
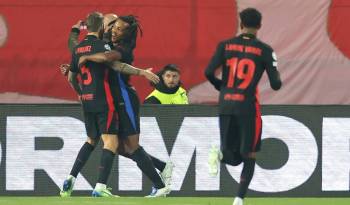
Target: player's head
(94, 22)
(250, 18)
(126, 29)
(171, 75)
(108, 21)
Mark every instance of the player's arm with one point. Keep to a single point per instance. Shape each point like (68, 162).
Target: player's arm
(271, 69)
(72, 43)
(72, 76)
(112, 58)
(102, 57)
(214, 64)
(131, 70)
(73, 39)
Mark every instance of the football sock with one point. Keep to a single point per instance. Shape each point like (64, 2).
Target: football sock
(83, 156)
(246, 176)
(105, 165)
(160, 165)
(144, 162)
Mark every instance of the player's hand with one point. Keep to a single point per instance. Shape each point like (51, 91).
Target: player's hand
(64, 68)
(82, 60)
(78, 24)
(147, 73)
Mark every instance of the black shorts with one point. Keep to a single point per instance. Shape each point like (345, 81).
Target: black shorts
(98, 123)
(240, 133)
(129, 113)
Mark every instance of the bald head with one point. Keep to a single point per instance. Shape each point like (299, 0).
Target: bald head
(107, 19)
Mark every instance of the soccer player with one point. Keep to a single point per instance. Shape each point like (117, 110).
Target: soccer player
(243, 59)
(165, 168)
(100, 115)
(124, 34)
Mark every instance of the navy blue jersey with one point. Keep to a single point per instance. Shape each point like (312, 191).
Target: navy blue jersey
(120, 81)
(127, 57)
(243, 60)
(96, 91)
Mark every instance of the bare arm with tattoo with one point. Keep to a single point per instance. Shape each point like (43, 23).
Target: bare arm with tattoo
(111, 58)
(131, 70)
(106, 57)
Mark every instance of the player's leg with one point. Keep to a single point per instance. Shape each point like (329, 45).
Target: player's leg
(230, 140)
(229, 144)
(129, 116)
(163, 167)
(83, 155)
(246, 177)
(250, 128)
(166, 169)
(129, 131)
(108, 125)
(144, 162)
(126, 129)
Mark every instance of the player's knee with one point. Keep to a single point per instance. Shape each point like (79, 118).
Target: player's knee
(120, 149)
(131, 149)
(123, 150)
(131, 144)
(92, 141)
(249, 155)
(110, 142)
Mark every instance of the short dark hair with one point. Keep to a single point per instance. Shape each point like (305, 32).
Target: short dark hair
(250, 18)
(94, 21)
(170, 67)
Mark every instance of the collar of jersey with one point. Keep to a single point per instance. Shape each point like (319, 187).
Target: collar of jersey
(249, 35)
(91, 37)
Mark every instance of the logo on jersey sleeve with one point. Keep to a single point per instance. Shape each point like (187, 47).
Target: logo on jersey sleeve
(107, 47)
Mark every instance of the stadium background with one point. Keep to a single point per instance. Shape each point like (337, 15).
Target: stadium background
(309, 36)
(310, 39)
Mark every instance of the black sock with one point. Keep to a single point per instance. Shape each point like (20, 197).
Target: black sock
(231, 158)
(144, 162)
(124, 154)
(105, 165)
(246, 176)
(83, 156)
(160, 165)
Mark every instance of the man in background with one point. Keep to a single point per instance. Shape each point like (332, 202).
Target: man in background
(168, 90)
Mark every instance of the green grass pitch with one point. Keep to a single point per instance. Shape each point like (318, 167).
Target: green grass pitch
(168, 201)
